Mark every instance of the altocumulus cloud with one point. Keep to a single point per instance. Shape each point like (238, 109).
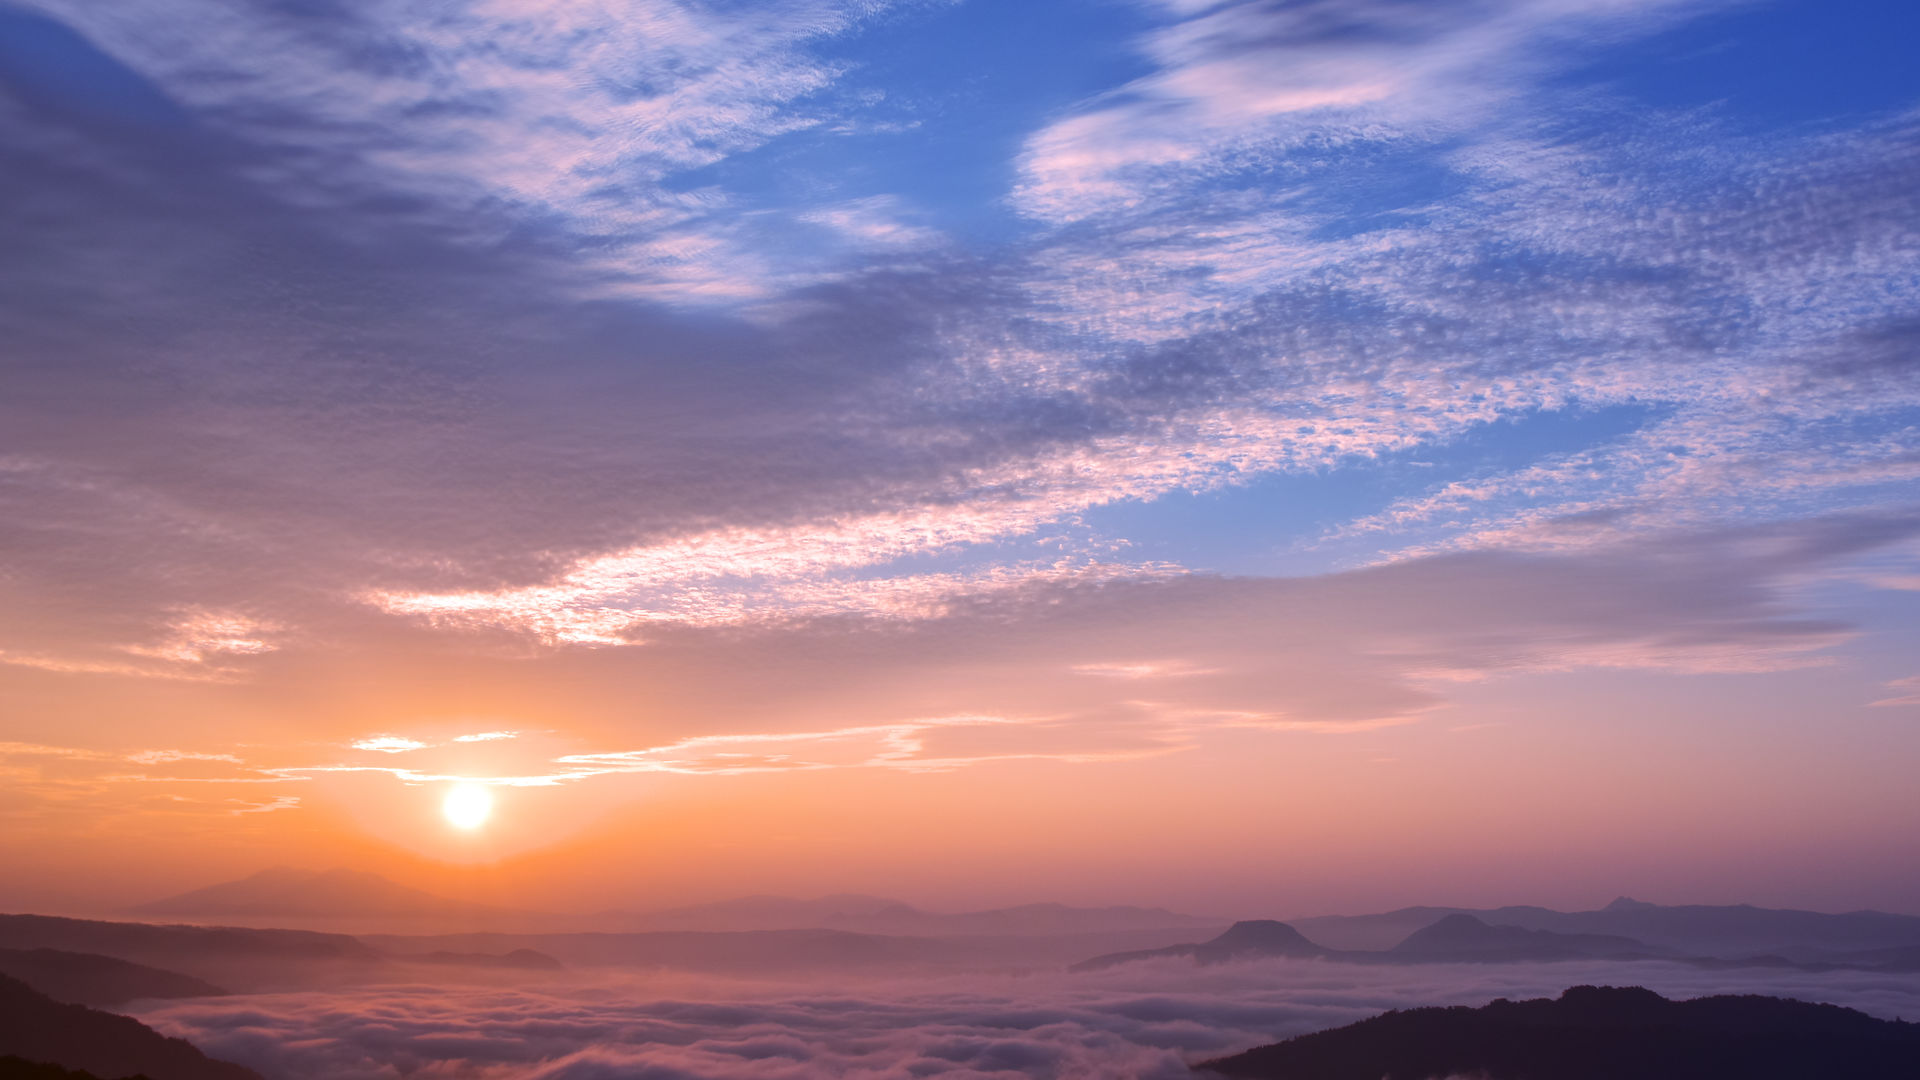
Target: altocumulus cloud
(1144, 1022)
(1196, 301)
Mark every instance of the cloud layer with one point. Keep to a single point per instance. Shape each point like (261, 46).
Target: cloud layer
(1146, 1024)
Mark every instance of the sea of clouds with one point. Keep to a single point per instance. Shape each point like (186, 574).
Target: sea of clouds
(1147, 1021)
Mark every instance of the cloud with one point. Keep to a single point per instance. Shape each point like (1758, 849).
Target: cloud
(474, 114)
(1906, 692)
(1092, 673)
(1147, 1022)
(194, 646)
(390, 744)
(874, 223)
(1237, 84)
(278, 802)
(161, 757)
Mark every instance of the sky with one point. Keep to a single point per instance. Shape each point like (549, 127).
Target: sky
(1253, 458)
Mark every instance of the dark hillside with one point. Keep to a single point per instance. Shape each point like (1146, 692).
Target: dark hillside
(1599, 1033)
(37, 1028)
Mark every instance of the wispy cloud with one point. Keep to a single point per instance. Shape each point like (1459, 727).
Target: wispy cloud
(1164, 665)
(193, 646)
(490, 113)
(277, 803)
(389, 744)
(162, 757)
(1906, 692)
(1238, 84)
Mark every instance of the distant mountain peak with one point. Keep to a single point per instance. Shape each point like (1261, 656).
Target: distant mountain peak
(1263, 936)
(1467, 937)
(1628, 903)
(1243, 940)
(286, 891)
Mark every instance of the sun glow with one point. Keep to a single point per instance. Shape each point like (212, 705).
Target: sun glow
(467, 806)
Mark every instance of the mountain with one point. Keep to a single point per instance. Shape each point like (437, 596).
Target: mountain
(781, 950)
(1243, 940)
(37, 1028)
(90, 979)
(139, 941)
(13, 1068)
(1371, 933)
(1732, 932)
(1742, 929)
(239, 958)
(1598, 1033)
(878, 915)
(1901, 959)
(516, 959)
(1465, 938)
(1456, 938)
(282, 892)
(758, 913)
(352, 900)
(1026, 919)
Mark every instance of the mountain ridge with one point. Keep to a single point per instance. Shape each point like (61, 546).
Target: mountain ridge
(37, 1028)
(338, 893)
(1464, 937)
(92, 979)
(1727, 930)
(1596, 1033)
(348, 897)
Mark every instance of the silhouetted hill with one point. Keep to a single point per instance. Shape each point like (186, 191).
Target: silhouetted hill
(282, 892)
(90, 979)
(1733, 932)
(13, 1068)
(1372, 933)
(1465, 938)
(234, 957)
(1743, 930)
(37, 1028)
(130, 939)
(1599, 1033)
(1243, 940)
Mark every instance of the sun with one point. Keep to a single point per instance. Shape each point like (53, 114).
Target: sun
(467, 806)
